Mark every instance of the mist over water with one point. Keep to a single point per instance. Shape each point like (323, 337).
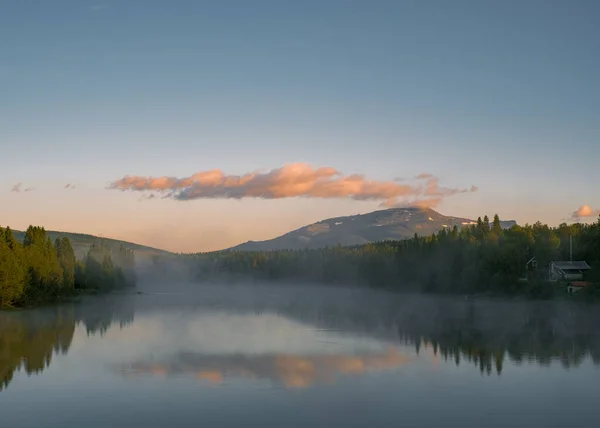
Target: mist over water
(252, 354)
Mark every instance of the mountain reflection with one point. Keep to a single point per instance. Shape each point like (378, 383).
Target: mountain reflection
(29, 339)
(292, 371)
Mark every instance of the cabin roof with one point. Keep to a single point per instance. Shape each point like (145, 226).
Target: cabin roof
(578, 265)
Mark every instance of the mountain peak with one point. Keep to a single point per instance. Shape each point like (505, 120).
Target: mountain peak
(381, 225)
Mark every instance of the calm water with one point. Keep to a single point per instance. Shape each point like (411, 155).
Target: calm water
(299, 357)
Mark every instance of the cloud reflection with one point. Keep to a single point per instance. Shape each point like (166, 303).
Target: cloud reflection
(292, 371)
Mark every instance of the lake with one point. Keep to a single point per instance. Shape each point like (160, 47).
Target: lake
(269, 356)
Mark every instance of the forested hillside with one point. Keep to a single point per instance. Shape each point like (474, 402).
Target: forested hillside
(480, 258)
(38, 269)
(82, 242)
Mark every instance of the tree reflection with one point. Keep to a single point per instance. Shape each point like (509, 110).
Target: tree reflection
(30, 339)
(542, 334)
(485, 334)
(482, 332)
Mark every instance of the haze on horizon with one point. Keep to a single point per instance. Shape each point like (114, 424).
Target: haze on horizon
(203, 125)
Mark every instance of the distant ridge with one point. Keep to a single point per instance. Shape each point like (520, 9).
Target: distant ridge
(81, 242)
(382, 225)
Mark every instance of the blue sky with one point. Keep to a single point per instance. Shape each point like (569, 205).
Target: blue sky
(503, 95)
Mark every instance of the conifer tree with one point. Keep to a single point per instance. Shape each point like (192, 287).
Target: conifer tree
(13, 275)
(454, 232)
(66, 258)
(45, 273)
(496, 224)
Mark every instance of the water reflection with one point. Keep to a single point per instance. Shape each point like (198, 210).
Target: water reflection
(293, 371)
(486, 334)
(30, 339)
(282, 342)
(30, 342)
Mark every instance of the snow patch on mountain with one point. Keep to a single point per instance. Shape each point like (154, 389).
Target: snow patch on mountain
(382, 225)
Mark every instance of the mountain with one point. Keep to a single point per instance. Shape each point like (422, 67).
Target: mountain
(82, 242)
(389, 224)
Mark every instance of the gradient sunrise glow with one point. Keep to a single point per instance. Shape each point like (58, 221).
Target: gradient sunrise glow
(224, 123)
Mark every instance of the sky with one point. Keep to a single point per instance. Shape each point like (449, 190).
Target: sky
(197, 125)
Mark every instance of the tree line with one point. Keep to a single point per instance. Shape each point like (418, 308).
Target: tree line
(38, 270)
(479, 258)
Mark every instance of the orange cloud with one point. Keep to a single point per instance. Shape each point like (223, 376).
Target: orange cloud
(291, 180)
(585, 211)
